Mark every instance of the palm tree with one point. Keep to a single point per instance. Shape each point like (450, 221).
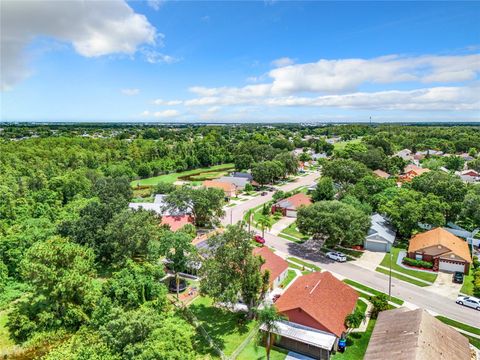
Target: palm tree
(249, 216)
(354, 320)
(265, 222)
(268, 316)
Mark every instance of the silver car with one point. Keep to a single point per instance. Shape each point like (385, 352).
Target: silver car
(337, 256)
(469, 301)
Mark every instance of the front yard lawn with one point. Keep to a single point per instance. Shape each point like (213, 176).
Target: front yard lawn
(304, 263)
(254, 351)
(293, 232)
(430, 277)
(401, 277)
(371, 291)
(467, 287)
(227, 329)
(457, 324)
(291, 274)
(357, 343)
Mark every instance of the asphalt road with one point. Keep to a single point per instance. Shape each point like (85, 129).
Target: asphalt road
(415, 295)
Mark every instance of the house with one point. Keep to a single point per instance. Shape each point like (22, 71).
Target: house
(466, 157)
(412, 171)
(242, 175)
(315, 305)
(405, 154)
(239, 182)
(446, 251)
(381, 174)
(468, 176)
(380, 236)
(158, 206)
(290, 205)
(229, 189)
(277, 266)
(176, 222)
(403, 334)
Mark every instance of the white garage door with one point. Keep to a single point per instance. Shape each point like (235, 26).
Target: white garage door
(375, 246)
(451, 266)
(291, 213)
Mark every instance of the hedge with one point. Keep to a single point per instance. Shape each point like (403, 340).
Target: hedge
(417, 263)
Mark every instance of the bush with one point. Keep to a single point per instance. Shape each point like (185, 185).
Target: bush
(417, 263)
(476, 262)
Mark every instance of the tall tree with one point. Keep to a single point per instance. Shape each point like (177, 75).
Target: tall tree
(345, 171)
(325, 189)
(265, 222)
(269, 316)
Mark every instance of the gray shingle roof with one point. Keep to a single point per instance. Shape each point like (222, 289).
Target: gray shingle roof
(380, 227)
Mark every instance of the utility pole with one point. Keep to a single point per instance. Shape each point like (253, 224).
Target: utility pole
(231, 216)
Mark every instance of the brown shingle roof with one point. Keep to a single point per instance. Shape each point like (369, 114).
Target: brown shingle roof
(440, 236)
(273, 263)
(381, 173)
(219, 185)
(295, 201)
(323, 297)
(403, 334)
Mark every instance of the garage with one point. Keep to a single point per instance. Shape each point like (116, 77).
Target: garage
(378, 246)
(451, 266)
(291, 213)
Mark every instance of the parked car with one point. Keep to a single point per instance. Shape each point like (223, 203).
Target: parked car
(337, 256)
(469, 301)
(259, 239)
(458, 277)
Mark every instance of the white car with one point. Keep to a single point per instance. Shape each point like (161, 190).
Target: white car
(337, 256)
(469, 301)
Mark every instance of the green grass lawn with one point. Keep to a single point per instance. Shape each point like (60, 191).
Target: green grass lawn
(290, 238)
(470, 329)
(356, 344)
(290, 276)
(5, 341)
(474, 341)
(254, 351)
(371, 291)
(172, 177)
(341, 144)
(430, 277)
(467, 287)
(292, 231)
(224, 327)
(361, 306)
(401, 277)
(304, 263)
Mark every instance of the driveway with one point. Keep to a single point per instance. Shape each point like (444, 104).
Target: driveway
(444, 286)
(369, 260)
(281, 224)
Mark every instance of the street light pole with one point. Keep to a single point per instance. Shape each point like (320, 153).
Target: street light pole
(390, 278)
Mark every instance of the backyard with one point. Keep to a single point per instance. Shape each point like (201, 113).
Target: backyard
(288, 279)
(422, 275)
(195, 175)
(227, 329)
(255, 351)
(357, 343)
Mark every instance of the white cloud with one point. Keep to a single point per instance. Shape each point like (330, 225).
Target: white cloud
(154, 57)
(94, 28)
(167, 102)
(130, 92)
(155, 4)
(284, 61)
(170, 113)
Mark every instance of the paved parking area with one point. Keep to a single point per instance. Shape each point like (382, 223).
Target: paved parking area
(444, 286)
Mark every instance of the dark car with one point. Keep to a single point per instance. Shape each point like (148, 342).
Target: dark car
(458, 277)
(264, 193)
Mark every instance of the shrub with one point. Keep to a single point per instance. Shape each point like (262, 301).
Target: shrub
(476, 262)
(417, 263)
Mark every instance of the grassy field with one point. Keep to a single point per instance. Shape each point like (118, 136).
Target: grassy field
(459, 325)
(401, 277)
(356, 344)
(254, 351)
(430, 277)
(467, 287)
(341, 144)
(371, 291)
(290, 276)
(211, 172)
(224, 327)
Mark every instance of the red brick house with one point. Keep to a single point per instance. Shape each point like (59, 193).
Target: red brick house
(316, 305)
(290, 205)
(446, 251)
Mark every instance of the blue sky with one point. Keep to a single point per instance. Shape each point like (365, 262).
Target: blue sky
(240, 61)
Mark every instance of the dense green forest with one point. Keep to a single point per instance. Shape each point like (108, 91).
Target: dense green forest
(79, 271)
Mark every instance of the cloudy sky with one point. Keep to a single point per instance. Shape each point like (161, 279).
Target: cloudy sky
(264, 61)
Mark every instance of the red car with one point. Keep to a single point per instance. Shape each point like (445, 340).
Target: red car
(259, 239)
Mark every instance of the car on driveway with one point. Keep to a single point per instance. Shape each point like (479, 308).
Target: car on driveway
(458, 277)
(259, 239)
(337, 256)
(469, 301)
